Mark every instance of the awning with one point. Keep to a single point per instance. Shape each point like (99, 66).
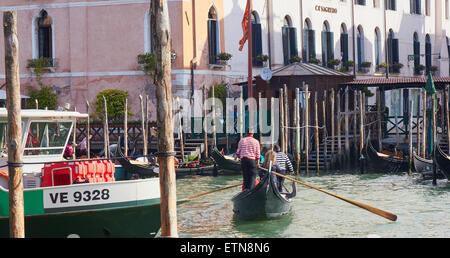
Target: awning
(396, 82)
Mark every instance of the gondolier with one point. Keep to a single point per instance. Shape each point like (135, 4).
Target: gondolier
(249, 153)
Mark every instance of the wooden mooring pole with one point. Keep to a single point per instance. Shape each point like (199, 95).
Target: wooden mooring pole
(163, 83)
(306, 128)
(105, 130)
(316, 135)
(205, 127)
(15, 183)
(361, 132)
(333, 156)
(282, 126)
(424, 122)
(410, 137)
(125, 127)
(447, 119)
(88, 132)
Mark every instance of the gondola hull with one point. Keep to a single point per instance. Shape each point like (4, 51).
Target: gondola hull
(227, 166)
(382, 163)
(263, 201)
(143, 171)
(443, 161)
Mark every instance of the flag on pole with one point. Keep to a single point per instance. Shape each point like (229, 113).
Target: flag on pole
(245, 22)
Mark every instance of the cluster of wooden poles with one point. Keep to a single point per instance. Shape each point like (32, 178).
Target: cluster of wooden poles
(295, 137)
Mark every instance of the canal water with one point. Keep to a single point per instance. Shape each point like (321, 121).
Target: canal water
(422, 209)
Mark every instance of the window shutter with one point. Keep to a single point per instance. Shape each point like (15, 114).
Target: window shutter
(428, 56)
(305, 45)
(330, 45)
(324, 48)
(212, 41)
(311, 44)
(257, 43)
(285, 33)
(344, 47)
(293, 48)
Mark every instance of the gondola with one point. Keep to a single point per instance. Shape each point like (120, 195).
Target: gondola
(228, 166)
(143, 170)
(425, 167)
(263, 201)
(443, 161)
(384, 163)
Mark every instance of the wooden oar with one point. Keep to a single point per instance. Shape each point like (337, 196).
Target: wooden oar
(213, 191)
(379, 212)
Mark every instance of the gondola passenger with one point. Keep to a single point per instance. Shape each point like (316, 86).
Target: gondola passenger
(271, 156)
(283, 162)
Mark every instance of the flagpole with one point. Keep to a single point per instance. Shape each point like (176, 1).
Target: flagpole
(250, 65)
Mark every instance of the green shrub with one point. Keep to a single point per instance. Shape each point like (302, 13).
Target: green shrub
(220, 92)
(147, 62)
(45, 96)
(115, 103)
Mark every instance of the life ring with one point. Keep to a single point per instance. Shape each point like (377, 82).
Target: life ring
(4, 174)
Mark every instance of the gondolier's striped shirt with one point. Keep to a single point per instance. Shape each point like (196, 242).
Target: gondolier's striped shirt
(282, 160)
(248, 148)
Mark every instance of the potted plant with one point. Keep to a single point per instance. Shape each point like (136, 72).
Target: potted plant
(349, 63)
(418, 70)
(223, 57)
(382, 67)
(296, 59)
(433, 69)
(396, 67)
(364, 67)
(262, 58)
(334, 62)
(314, 60)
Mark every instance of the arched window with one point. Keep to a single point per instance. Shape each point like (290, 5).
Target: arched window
(289, 34)
(256, 39)
(44, 35)
(427, 53)
(213, 36)
(377, 47)
(327, 44)
(416, 45)
(393, 57)
(309, 42)
(360, 45)
(344, 45)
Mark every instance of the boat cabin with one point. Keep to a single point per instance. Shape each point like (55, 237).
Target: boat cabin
(45, 134)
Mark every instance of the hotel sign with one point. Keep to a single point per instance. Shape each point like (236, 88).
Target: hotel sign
(325, 9)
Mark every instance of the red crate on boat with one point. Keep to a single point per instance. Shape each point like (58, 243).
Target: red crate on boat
(63, 173)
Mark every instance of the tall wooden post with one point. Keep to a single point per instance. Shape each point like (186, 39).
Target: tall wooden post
(161, 26)
(286, 119)
(144, 139)
(15, 183)
(241, 115)
(316, 118)
(180, 132)
(447, 117)
(74, 145)
(424, 122)
(419, 149)
(433, 114)
(282, 126)
(346, 128)
(361, 131)
(355, 126)
(297, 129)
(146, 124)
(213, 113)
(260, 115)
(125, 127)
(106, 130)
(333, 157)
(306, 128)
(410, 137)
(325, 147)
(338, 121)
(272, 121)
(380, 133)
(205, 127)
(88, 132)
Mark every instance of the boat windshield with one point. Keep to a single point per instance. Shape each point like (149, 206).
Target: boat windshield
(47, 138)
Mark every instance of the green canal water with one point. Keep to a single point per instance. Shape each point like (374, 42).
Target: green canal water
(423, 210)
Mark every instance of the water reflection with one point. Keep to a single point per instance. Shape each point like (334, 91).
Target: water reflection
(422, 208)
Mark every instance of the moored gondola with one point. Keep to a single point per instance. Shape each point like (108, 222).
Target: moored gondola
(226, 165)
(443, 161)
(142, 169)
(263, 201)
(384, 163)
(425, 167)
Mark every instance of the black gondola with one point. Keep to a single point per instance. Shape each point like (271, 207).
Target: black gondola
(443, 161)
(425, 167)
(263, 201)
(228, 166)
(385, 163)
(142, 170)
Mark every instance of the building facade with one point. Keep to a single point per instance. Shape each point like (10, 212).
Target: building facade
(94, 44)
